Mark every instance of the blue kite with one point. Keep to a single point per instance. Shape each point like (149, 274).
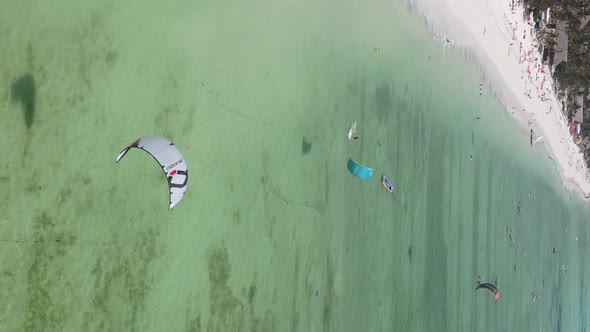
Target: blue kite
(358, 170)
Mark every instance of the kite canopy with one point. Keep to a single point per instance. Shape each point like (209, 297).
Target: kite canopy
(358, 170)
(492, 288)
(171, 161)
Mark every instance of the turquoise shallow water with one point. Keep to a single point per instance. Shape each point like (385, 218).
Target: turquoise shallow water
(274, 234)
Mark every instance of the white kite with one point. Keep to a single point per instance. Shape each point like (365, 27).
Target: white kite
(171, 161)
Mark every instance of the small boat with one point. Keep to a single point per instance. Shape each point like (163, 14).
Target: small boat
(352, 131)
(386, 183)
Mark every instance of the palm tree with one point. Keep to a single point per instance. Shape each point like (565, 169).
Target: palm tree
(550, 39)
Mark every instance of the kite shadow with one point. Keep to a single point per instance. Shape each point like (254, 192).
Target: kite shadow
(23, 91)
(305, 146)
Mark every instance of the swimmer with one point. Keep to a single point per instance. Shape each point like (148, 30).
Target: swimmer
(510, 236)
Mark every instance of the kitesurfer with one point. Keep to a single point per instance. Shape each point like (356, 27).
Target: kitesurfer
(352, 132)
(491, 288)
(358, 170)
(171, 161)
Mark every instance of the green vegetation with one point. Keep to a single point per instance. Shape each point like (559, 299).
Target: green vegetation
(572, 75)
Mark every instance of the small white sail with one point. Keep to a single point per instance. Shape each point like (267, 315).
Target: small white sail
(352, 131)
(538, 140)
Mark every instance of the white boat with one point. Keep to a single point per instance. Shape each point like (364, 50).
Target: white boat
(386, 183)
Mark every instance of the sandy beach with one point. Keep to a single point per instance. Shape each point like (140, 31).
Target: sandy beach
(495, 37)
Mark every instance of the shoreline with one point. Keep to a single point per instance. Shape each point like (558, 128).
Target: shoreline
(494, 39)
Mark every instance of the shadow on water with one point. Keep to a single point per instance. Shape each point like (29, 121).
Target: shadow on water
(305, 146)
(23, 91)
(384, 100)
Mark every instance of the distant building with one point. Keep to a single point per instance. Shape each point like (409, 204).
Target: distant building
(579, 115)
(553, 54)
(561, 46)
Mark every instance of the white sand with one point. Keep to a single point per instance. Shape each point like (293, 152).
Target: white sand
(505, 65)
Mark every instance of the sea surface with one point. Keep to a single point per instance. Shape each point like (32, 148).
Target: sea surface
(273, 234)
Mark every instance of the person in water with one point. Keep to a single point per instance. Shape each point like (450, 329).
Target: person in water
(355, 137)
